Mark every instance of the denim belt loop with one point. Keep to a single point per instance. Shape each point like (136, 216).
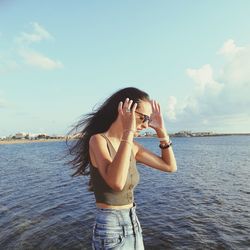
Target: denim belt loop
(124, 231)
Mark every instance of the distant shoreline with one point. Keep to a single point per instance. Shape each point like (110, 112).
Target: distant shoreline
(23, 141)
(188, 136)
(15, 141)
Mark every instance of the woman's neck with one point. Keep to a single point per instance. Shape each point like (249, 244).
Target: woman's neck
(115, 131)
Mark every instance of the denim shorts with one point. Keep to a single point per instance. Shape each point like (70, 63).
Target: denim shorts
(117, 229)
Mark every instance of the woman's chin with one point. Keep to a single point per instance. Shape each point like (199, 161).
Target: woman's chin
(137, 133)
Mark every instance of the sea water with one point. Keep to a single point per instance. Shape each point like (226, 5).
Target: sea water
(204, 205)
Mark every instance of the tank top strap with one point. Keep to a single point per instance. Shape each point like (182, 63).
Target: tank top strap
(111, 149)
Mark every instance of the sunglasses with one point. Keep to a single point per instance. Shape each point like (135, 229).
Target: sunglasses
(145, 117)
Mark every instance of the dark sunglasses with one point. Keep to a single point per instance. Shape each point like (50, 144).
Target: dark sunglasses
(145, 117)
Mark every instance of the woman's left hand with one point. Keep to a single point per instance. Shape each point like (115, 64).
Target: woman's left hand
(156, 119)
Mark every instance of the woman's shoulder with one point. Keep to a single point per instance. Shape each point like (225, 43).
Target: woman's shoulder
(96, 139)
(98, 135)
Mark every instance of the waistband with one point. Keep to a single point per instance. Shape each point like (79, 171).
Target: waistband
(121, 211)
(122, 215)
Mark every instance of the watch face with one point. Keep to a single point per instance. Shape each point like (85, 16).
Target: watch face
(162, 146)
(165, 145)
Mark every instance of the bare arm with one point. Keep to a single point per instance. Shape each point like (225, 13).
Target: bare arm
(115, 171)
(166, 162)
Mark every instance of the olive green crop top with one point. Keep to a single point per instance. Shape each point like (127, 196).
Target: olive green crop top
(104, 193)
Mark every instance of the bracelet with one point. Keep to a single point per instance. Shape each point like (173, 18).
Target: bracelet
(165, 145)
(127, 141)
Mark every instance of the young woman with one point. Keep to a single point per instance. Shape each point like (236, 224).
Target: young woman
(106, 150)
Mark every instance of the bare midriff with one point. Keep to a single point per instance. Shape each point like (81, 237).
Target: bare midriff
(103, 205)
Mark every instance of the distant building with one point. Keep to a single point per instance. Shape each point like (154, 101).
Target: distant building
(31, 136)
(183, 133)
(20, 135)
(190, 133)
(42, 136)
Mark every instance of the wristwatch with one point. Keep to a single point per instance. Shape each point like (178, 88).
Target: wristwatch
(165, 145)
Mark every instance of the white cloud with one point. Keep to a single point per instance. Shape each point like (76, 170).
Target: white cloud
(236, 72)
(38, 34)
(23, 54)
(38, 60)
(171, 112)
(189, 104)
(204, 80)
(217, 101)
(230, 48)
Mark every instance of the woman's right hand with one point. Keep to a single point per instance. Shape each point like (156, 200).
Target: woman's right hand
(127, 118)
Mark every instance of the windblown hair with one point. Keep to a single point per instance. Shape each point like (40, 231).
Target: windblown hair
(96, 122)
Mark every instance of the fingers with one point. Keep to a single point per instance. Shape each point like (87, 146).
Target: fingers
(134, 107)
(158, 107)
(127, 105)
(124, 107)
(155, 106)
(120, 107)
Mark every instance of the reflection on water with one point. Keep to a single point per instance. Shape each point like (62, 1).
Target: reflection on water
(205, 205)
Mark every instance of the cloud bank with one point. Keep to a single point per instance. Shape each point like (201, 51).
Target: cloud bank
(34, 58)
(219, 98)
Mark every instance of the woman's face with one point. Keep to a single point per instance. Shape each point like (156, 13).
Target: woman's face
(143, 113)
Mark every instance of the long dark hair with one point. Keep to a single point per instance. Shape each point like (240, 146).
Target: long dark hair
(96, 122)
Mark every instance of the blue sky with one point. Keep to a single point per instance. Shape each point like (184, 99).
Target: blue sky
(60, 58)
